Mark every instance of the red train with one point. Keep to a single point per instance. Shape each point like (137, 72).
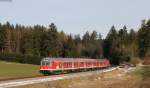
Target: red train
(62, 65)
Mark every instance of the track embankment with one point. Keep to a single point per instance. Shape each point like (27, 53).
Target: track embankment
(27, 81)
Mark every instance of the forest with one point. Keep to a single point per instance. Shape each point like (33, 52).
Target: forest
(28, 44)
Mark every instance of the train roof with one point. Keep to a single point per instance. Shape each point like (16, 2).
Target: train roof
(62, 59)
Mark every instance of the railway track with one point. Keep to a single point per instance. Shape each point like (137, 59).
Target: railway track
(27, 81)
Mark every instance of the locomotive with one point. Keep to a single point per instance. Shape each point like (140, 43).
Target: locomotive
(64, 65)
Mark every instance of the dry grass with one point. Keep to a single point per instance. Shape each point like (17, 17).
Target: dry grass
(135, 61)
(115, 79)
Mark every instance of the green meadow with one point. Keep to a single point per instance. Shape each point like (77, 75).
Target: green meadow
(9, 70)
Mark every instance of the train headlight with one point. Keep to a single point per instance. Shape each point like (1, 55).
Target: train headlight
(57, 67)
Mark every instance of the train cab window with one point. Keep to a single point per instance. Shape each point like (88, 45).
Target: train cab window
(47, 63)
(51, 63)
(42, 63)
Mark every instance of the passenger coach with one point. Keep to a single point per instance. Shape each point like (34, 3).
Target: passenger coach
(62, 65)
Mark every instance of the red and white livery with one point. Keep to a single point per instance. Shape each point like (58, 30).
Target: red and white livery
(61, 65)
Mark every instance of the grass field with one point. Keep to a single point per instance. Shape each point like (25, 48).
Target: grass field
(10, 70)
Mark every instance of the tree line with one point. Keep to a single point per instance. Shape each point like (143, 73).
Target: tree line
(28, 44)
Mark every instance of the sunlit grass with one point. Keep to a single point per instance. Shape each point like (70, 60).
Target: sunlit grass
(15, 70)
(143, 72)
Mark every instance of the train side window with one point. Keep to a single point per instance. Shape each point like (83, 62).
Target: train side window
(71, 64)
(104, 63)
(65, 64)
(97, 63)
(76, 64)
(94, 63)
(100, 63)
(82, 63)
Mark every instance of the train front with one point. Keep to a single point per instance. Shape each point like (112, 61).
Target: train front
(46, 66)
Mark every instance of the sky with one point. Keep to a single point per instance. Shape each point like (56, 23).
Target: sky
(76, 16)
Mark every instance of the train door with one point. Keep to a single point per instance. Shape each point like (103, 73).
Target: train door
(59, 66)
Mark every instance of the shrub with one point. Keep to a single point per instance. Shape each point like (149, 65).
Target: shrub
(135, 61)
(20, 58)
(146, 61)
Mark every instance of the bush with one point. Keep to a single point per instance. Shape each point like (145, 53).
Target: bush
(20, 58)
(135, 61)
(118, 57)
(146, 61)
(144, 72)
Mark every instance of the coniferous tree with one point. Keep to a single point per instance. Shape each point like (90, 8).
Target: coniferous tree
(2, 38)
(118, 46)
(144, 39)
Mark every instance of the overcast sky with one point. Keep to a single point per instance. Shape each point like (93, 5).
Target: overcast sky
(76, 16)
